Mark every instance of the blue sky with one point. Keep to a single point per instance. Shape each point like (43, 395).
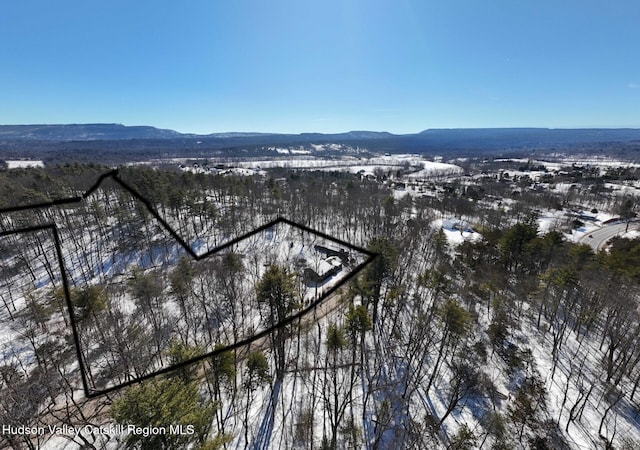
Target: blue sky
(327, 66)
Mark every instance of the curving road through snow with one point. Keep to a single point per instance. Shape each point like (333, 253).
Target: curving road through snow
(598, 238)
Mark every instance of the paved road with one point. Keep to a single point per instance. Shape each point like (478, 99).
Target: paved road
(600, 236)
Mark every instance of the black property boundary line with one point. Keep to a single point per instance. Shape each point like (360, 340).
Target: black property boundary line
(91, 393)
(65, 286)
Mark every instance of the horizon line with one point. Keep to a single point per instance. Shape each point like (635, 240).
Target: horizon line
(205, 134)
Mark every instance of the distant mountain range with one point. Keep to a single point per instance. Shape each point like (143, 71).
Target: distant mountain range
(83, 132)
(532, 136)
(453, 136)
(114, 131)
(116, 139)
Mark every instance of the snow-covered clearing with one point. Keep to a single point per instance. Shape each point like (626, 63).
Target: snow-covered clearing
(419, 167)
(23, 163)
(456, 231)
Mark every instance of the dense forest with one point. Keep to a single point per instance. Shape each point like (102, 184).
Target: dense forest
(518, 338)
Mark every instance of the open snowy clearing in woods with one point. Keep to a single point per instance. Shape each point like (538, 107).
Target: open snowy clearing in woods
(419, 167)
(23, 164)
(456, 231)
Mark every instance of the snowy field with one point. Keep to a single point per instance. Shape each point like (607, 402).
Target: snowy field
(560, 162)
(23, 164)
(456, 231)
(416, 166)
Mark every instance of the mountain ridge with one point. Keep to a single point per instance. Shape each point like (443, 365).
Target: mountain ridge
(115, 131)
(117, 142)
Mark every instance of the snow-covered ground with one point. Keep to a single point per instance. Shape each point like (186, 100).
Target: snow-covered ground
(551, 220)
(558, 163)
(105, 255)
(275, 411)
(419, 167)
(455, 236)
(23, 163)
